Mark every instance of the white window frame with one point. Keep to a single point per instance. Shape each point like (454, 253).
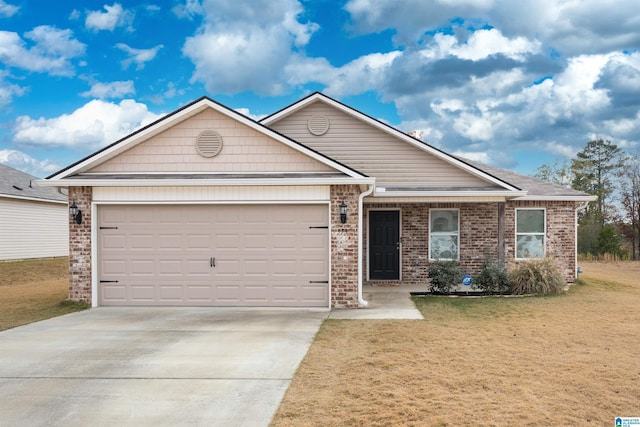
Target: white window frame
(444, 233)
(543, 233)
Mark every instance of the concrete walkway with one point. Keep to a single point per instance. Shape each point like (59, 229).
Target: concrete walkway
(385, 302)
(157, 366)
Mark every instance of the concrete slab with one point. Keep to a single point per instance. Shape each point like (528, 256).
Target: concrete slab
(153, 366)
(392, 302)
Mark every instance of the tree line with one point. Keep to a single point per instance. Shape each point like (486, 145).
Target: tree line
(610, 224)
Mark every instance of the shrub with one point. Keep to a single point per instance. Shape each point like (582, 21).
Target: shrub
(538, 276)
(444, 275)
(493, 278)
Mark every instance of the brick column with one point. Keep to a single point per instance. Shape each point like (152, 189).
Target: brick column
(80, 246)
(344, 247)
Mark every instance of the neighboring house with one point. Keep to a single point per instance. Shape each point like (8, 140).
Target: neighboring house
(33, 220)
(209, 207)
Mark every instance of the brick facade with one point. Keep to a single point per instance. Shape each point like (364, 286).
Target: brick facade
(478, 238)
(80, 246)
(344, 247)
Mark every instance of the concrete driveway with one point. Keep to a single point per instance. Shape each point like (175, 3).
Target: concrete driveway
(153, 366)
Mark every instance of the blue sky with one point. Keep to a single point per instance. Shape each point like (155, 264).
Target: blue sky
(511, 84)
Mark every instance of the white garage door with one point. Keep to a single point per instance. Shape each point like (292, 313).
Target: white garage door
(221, 255)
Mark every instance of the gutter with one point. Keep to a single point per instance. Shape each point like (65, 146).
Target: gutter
(361, 302)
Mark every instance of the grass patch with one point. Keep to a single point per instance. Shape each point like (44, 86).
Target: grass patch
(569, 359)
(33, 290)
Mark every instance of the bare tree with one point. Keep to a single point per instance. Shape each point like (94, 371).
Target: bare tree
(630, 200)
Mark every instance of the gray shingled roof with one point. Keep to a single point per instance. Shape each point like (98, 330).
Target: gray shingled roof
(14, 183)
(533, 186)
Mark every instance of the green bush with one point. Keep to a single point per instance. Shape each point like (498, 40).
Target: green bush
(538, 276)
(444, 275)
(493, 278)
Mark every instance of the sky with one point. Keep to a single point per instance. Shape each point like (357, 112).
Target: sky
(513, 84)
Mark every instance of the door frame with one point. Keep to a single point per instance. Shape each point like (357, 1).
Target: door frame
(399, 210)
(95, 236)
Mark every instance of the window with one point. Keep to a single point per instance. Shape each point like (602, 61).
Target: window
(443, 234)
(530, 232)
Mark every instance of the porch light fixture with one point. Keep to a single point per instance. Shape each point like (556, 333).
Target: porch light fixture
(75, 213)
(343, 212)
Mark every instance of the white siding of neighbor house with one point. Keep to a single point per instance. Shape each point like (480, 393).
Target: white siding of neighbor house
(211, 194)
(244, 150)
(371, 151)
(32, 229)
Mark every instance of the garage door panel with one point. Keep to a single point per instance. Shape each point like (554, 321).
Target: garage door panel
(140, 293)
(142, 268)
(265, 255)
(169, 241)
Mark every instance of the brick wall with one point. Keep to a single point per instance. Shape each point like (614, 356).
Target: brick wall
(344, 247)
(80, 246)
(478, 236)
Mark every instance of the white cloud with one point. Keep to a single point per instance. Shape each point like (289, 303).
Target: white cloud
(247, 48)
(571, 27)
(138, 56)
(484, 43)
(360, 75)
(52, 50)
(8, 90)
(247, 112)
(95, 124)
(7, 9)
(188, 10)
(117, 89)
(114, 16)
(24, 162)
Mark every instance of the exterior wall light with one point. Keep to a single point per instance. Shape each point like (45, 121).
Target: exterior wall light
(343, 212)
(75, 213)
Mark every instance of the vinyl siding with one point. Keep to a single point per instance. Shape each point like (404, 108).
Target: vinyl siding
(371, 151)
(30, 229)
(244, 150)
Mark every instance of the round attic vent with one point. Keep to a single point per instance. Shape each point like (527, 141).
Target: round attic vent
(209, 143)
(318, 125)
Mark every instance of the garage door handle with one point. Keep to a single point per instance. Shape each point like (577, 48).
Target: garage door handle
(212, 262)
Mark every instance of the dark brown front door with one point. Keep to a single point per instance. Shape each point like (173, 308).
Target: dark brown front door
(384, 245)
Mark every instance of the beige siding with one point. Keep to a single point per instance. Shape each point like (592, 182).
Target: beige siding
(372, 151)
(30, 229)
(244, 150)
(211, 194)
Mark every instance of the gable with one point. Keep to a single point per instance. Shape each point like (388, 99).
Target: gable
(244, 150)
(373, 151)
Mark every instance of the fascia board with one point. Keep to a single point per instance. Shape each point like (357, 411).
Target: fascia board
(70, 182)
(557, 198)
(505, 194)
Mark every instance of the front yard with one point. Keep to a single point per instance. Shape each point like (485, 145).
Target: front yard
(564, 360)
(33, 290)
(571, 359)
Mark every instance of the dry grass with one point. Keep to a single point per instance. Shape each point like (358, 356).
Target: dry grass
(33, 290)
(535, 361)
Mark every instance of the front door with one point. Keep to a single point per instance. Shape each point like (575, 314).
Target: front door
(384, 245)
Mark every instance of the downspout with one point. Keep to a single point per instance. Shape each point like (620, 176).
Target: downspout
(361, 302)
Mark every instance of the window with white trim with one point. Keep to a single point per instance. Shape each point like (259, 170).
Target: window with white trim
(530, 233)
(444, 226)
